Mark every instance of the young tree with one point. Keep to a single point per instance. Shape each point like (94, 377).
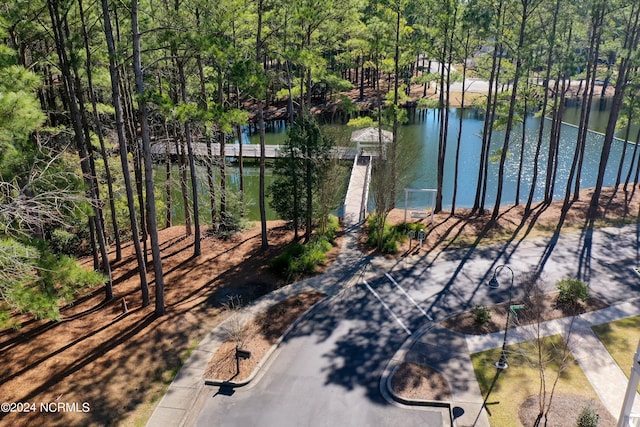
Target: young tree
(297, 175)
(550, 356)
(40, 194)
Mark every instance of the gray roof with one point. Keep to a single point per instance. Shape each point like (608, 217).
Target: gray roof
(370, 134)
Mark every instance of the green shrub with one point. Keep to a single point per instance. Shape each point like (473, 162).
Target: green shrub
(37, 280)
(372, 231)
(571, 292)
(391, 235)
(588, 418)
(481, 315)
(300, 259)
(69, 242)
(281, 263)
(332, 227)
(312, 256)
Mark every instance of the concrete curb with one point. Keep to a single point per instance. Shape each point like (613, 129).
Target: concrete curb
(266, 358)
(392, 366)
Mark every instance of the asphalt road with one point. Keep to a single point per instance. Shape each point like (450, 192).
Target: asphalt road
(327, 372)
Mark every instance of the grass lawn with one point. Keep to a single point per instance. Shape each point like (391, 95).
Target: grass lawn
(522, 378)
(621, 340)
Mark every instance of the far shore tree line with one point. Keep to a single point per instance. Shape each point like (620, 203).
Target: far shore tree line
(87, 88)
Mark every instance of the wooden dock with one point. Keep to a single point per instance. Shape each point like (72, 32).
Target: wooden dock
(158, 149)
(357, 197)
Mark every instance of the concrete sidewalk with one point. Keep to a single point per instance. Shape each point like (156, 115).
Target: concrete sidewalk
(606, 377)
(449, 353)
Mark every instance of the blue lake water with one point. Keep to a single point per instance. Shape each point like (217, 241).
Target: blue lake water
(423, 171)
(420, 141)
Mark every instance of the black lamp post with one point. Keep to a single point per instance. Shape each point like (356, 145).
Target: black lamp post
(493, 283)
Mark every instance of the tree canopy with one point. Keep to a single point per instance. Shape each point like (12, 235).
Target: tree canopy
(88, 90)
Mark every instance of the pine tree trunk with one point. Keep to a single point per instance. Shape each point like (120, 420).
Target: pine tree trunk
(122, 144)
(146, 144)
(261, 196)
(459, 138)
(543, 115)
(103, 152)
(81, 144)
(630, 45)
(487, 129)
(192, 163)
(167, 169)
(512, 106)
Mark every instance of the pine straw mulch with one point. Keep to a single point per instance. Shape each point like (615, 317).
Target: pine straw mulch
(413, 381)
(257, 337)
(120, 363)
(464, 229)
(565, 410)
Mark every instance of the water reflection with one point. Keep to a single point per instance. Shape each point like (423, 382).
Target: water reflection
(419, 142)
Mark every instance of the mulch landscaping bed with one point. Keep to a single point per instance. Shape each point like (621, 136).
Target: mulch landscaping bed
(545, 309)
(257, 337)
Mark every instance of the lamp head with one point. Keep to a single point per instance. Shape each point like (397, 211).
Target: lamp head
(493, 283)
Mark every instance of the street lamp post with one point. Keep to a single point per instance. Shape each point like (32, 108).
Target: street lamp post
(494, 284)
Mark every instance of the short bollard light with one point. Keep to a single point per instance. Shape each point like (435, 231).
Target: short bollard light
(412, 235)
(421, 236)
(242, 354)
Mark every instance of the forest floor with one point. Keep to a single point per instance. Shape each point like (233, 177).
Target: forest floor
(119, 363)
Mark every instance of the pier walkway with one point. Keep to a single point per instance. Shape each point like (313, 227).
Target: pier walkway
(248, 150)
(370, 142)
(357, 198)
